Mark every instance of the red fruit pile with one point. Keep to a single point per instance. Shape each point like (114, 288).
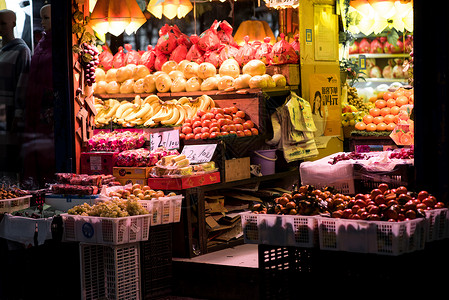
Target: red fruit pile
(218, 122)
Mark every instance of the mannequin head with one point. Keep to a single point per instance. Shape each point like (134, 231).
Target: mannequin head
(46, 17)
(7, 24)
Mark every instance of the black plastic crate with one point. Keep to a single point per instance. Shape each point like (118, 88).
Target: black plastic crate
(156, 263)
(366, 180)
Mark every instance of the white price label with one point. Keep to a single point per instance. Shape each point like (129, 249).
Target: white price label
(168, 139)
(199, 153)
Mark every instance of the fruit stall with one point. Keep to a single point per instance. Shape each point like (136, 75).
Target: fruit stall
(188, 141)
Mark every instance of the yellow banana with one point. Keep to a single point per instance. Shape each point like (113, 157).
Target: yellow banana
(137, 100)
(204, 102)
(149, 122)
(123, 106)
(112, 110)
(98, 101)
(127, 112)
(189, 111)
(173, 118)
(184, 100)
(151, 99)
(182, 115)
(164, 116)
(143, 110)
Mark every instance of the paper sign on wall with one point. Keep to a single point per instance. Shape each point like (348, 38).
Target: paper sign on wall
(199, 153)
(167, 139)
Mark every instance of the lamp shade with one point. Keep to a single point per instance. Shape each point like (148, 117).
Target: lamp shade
(185, 6)
(116, 16)
(169, 8)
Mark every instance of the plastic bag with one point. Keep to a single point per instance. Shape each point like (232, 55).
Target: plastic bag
(181, 38)
(283, 53)
(224, 33)
(131, 56)
(213, 57)
(263, 52)
(226, 52)
(167, 40)
(105, 58)
(147, 58)
(118, 60)
(179, 53)
(161, 58)
(245, 53)
(209, 39)
(195, 54)
(295, 43)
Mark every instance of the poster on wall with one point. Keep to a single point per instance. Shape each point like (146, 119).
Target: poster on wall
(326, 32)
(324, 100)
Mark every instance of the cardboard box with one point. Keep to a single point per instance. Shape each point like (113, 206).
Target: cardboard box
(131, 172)
(237, 169)
(125, 181)
(185, 182)
(96, 163)
(290, 71)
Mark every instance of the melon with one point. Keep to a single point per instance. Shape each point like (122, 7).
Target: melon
(254, 67)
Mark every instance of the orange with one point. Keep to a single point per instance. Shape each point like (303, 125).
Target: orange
(411, 99)
(360, 126)
(378, 119)
(391, 126)
(384, 111)
(408, 92)
(380, 95)
(371, 127)
(372, 99)
(374, 111)
(387, 95)
(381, 126)
(394, 110)
(391, 102)
(389, 118)
(380, 103)
(398, 92)
(401, 100)
(368, 119)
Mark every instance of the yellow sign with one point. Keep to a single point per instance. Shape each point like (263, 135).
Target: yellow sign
(325, 103)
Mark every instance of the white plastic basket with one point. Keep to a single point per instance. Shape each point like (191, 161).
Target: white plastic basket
(164, 210)
(110, 272)
(14, 204)
(106, 231)
(279, 230)
(379, 237)
(65, 202)
(437, 224)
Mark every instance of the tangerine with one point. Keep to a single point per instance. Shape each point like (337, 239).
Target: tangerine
(408, 92)
(391, 102)
(368, 119)
(380, 103)
(380, 95)
(387, 95)
(401, 100)
(411, 99)
(394, 110)
(385, 111)
(360, 126)
(398, 92)
(378, 119)
(381, 126)
(389, 119)
(372, 99)
(390, 126)
(371, 127)
(374, 111)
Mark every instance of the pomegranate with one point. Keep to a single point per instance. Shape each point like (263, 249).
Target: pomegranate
(364, 46)
(376, 47)
(398, 48)
(375, 72)
(387, 72)
(354, 48)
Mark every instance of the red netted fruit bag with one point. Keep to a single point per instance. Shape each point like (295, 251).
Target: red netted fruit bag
(227, 51)
(195, 54)
(105, 58)
(283, 53)
(148, 57)
(167, 40)
(263, 52)
(295, 43)
(181, 38)
(131, 56)
(213, 57)
(119, 58)
(161, 58)
(224, 33)
(245, 53)
(179, 53)
(209, 39)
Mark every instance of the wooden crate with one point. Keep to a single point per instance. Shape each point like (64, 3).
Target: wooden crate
(237, 169)
(290, 71)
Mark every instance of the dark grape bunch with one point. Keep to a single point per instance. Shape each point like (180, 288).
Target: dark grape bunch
(403, 153)
(347, 156)
(90, 61)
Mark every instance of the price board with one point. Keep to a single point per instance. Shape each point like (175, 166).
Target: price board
(167, 139)
(199, 153)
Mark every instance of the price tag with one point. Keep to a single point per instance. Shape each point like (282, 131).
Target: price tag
(168, 139)
(199, 153)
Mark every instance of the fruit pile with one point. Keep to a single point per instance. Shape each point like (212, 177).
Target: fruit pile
(382, 204)
(11, 193)
(218, 122)
(390, 108)
(115, 208)
(355, 100)
(89, 62)
(139, 192)
(347, 156)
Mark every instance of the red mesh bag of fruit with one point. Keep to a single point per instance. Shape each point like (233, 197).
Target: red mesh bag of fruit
(263, 52)
(224, 33)
(246, 52)
(181, 38)
(213, 57)
(148, 57)
(283, 53)
(195, 54)
(160, 59)
(131, 56)
(105, 58)
(227, 51)
(167, 40)
(179, 53)
(295, 43)
(209, 39)
(119, 58)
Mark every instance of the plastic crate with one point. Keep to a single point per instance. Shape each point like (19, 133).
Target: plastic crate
(110, 272)
(156, 263)
(66, 202)
(279, 230)
(321, 173)
(14, 204)
(379, 237)
(437, 224)
(164, 210)
(106, 231)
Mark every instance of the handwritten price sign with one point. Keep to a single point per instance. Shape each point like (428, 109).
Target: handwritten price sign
(199, 153)
(168, 139)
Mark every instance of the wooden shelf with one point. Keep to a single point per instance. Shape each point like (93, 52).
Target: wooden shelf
(380, 55)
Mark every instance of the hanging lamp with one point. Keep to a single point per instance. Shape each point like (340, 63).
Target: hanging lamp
(116, 16)
(169, 8)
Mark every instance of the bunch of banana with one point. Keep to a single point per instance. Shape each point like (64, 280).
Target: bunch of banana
(351, 118)
(106, 110)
